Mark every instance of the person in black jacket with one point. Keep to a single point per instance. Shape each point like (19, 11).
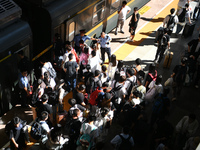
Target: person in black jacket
(194, 46)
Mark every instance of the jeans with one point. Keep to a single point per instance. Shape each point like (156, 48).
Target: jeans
(105, 50)
(179, 28)
(160, 52)
(71, 83)
(121, 22)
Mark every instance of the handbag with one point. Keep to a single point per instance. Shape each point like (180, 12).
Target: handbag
(168, 82)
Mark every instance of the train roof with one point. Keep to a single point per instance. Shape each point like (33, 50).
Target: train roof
(9, 12)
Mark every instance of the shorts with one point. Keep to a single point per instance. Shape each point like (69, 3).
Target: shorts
(132, 30)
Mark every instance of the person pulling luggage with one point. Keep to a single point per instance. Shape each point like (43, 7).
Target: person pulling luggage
(163, 44)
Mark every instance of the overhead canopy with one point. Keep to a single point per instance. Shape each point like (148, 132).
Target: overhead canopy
(12, 35)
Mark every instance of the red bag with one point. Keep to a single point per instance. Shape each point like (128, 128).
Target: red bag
(94, 96)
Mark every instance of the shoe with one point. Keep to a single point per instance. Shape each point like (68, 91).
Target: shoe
(115, 32)
(196, 86)
(173, 99)
(122, 32)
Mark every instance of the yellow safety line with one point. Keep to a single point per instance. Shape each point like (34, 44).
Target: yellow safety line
(128, 47)
(5, 58)
(44, 51)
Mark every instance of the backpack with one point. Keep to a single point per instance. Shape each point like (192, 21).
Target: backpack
(126, 144)
(130, 87)
(163, 41)
(51, 71)
(94, 96)
(114, 92)
(181, 17)
(36, 130)
(91, 85)
(171, 23)
(8, 127)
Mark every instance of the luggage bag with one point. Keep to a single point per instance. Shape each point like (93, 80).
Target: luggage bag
(188, 29)
(168, 59)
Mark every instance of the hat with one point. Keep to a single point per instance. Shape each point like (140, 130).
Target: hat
(82, 31)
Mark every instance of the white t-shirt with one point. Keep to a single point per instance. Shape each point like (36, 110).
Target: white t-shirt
(122, 14)
(45, 67)
(94, 62)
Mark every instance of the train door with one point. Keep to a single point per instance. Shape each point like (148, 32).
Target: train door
(70, 29)
(60, 30)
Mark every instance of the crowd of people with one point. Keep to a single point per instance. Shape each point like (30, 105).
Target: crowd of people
(106, 95)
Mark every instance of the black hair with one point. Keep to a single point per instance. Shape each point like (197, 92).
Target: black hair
(23, 70)
(44, 115)
(91, 118)
(107, 96)
(104, 68)
(56, 132)
(135, 8)
(81, 42)
(158, 79)
(104, 111)
(16, 120)
(152, 68)
(105, 84)
(166, 30)
(120, 64)
(72, 101)
(94, 46)
(46, 75)
(140, 79)
(117, 76)
(81, 87)
(122, 78)
(126, 130)
(96, 73)
(130, 71)
(93, 53)
(67, 43)
(186, 5)
(138, 61)
(124, 2)
(172, 11)
(69, 48)
(70, 56)
(88, 67)
(75, 112)
(192, 116)
(184, 60)
(113, 60)
(44, 97)
(86, 49)
(137, 93)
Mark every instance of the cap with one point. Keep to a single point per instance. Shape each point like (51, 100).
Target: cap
(82, 31)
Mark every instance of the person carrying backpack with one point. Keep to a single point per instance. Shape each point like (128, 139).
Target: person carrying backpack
(183, 17)
(179, 74)
(163, 44)
(170, 21)
(123, 141)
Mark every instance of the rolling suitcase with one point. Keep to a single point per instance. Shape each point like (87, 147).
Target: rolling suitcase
(159, 32)
(188, 29)
(168, 59)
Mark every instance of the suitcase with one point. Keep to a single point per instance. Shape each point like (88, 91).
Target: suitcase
(168, 59)
(159, 32)
(188, 29)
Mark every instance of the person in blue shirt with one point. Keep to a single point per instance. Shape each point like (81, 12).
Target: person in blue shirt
(24, 87)
(104, 41)
(79, 37)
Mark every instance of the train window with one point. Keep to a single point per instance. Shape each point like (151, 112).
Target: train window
(114, 5)
(71, 31)
(99, 12)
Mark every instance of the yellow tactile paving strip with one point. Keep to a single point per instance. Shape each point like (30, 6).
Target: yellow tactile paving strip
(144, 9)
(128, 47)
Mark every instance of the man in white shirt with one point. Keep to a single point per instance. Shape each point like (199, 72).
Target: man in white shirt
(123, 11)
(170, 21)
(94, 62)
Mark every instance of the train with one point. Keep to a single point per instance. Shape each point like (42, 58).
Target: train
(30, 26)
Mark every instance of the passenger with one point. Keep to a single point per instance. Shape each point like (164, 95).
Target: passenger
(45, 67)
(78, 94)
(44, 126)
(14, 130)
(181, 4)
(152, 75)
(194, 46)
(79, 37)
(84, 57)
(24, 88)
(122, 12)
(49, 82)
(104, 41)
(55, 140)
(163, 44)
(104, 75)
(139, 86)
(68, 51)
(138, 66)
(112, 66)
(184, 17)
(178, 76)
(70, 68)
(118, 142)
(170, 21)
(94, 62)
(133, 23)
